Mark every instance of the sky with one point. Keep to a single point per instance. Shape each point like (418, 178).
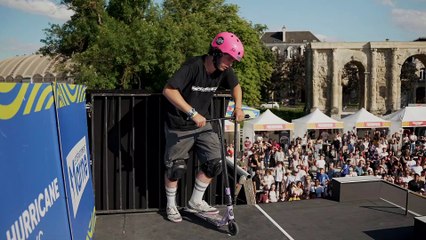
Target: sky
(22, 21)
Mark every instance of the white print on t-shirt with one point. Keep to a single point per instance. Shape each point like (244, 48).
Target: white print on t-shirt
(203, 89)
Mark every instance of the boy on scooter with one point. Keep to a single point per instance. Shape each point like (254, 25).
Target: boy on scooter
(189, 93)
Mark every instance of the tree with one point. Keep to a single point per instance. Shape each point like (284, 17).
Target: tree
(77, 34)
(276, 83)
(139, 44)
(294, 80)
(287, 79)
(350, 82)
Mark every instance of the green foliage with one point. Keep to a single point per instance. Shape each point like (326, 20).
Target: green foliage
(289, 114)
(287, 79)
(350, 85)
(408, 79)
(138, 44)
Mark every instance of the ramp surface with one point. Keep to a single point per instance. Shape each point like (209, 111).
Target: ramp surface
(305, 219)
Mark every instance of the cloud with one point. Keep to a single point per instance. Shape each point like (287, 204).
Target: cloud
(390, 3)
(41, 7)
(411, 20)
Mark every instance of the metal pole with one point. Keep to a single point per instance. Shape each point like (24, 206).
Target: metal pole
(236, 147)
(406, 203)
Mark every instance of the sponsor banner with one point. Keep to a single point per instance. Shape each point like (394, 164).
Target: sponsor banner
(372, 124)
(72, 123)
(273, 127)
(331, 125)
(252, 112)
(414, 124)
(33, 202)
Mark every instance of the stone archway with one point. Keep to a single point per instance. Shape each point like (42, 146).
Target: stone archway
(412, 81)
(381, 61)
(353, 86)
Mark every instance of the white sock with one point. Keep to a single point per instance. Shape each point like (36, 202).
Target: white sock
(171, 196)
(198, 192)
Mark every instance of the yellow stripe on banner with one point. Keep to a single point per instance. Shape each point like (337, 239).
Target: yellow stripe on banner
(10, 110)
(82, 93)
(31, 99)
(49, 103)
(6, 87)
(64, 96)
(58, 96)
(78, 93)
(41, 100)
(72, 97)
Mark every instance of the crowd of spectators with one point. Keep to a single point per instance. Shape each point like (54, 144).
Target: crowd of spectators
(303, 168)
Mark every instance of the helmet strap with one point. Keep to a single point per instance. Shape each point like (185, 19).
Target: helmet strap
(217, 54)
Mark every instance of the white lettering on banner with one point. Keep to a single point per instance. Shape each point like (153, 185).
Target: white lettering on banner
(325, 125)
(34, 213)
(78, 172)
(277, 126)
(373, 124)
(203, 89)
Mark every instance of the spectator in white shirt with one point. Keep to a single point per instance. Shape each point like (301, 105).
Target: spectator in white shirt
(320, 163)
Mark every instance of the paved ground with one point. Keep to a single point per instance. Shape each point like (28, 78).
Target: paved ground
(305, 219)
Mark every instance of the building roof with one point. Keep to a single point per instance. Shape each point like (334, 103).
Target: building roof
(290, 36)
(28, 66)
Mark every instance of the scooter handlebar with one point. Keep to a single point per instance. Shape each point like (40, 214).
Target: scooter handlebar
(247, 116)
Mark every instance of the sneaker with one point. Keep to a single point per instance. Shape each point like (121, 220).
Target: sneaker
(202, 207)
(173, 214)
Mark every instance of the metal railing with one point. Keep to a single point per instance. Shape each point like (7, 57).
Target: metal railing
(127, 146)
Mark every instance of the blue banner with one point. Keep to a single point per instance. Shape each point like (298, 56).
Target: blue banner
(32, 203)
(45, 170)
(70, 103)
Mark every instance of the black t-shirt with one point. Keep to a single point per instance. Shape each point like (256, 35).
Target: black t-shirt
(197, 88)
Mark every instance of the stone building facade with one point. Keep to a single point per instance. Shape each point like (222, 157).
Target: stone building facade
(288, 43)
(379, 67)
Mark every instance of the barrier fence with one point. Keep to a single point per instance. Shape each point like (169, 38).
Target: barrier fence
(127, 147)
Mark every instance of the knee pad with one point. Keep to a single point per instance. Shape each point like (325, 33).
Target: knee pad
(212, 168)
(176, 169)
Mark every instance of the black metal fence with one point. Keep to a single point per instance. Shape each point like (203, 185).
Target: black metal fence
(127, 147)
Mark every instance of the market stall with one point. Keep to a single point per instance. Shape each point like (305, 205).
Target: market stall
(315, 120)
(408, 117)
(267, 123)
(362, 120)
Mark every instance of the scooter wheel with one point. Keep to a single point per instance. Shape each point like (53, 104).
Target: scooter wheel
(233, 228)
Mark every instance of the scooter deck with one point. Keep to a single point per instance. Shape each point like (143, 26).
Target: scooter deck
(214, 218)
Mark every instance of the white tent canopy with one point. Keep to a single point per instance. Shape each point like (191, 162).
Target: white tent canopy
(364, 119)
(229, 126)
(314, 120)
(407, 117)
(267, 121)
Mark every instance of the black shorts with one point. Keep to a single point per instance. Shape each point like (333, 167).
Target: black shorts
(204, 140)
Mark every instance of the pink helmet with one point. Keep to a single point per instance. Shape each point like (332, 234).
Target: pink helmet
(229, 43)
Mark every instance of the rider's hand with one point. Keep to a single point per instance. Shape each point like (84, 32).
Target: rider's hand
(238, 114)
(199, 120)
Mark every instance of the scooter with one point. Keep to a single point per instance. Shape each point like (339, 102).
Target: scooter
(228, 217)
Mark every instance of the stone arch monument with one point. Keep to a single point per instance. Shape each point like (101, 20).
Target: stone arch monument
(379, 67)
